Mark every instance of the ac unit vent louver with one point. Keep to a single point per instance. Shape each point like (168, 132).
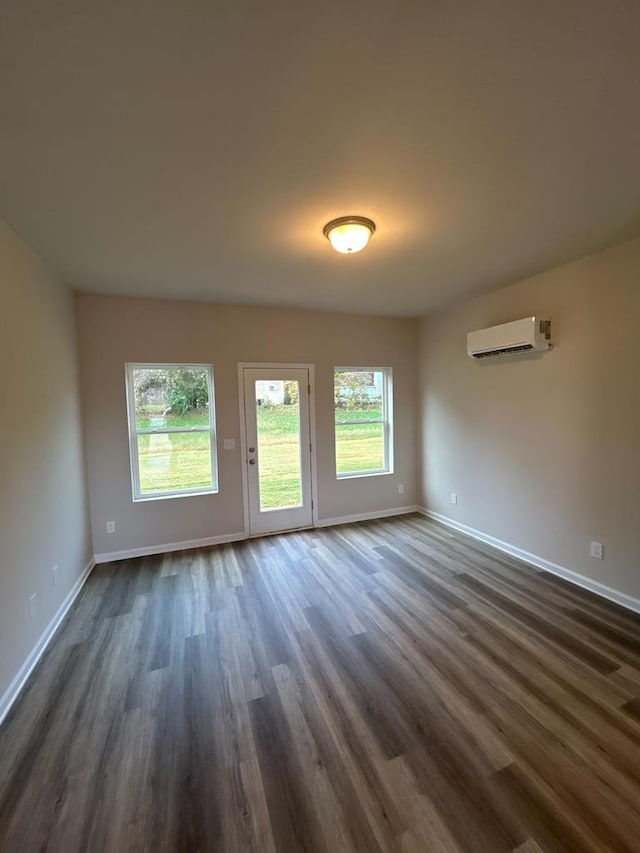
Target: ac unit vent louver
(494, 352)
(527, 335)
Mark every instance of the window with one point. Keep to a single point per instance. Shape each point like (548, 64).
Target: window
(363, 419)
(171, 430)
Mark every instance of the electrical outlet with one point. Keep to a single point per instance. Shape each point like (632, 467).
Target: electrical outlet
(229, 444)
(33, 600)
(454, 498)
(597, 550)
(54, 573)
(111, 527)
(401, 489)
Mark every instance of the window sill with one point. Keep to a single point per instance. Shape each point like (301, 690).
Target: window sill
(358, 475)
(172, 495)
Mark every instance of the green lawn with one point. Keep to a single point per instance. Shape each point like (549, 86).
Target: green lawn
(176, 461)
(182, 461)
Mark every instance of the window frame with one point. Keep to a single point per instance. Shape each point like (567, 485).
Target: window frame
(386, 419)
(134, 432)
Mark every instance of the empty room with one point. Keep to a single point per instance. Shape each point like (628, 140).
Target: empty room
(320, 426)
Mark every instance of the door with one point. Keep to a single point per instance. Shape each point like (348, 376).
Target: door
(278, 448)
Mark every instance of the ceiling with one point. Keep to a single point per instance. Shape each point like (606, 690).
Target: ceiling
(194, 150)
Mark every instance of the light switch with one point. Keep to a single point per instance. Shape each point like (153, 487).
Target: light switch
(229, 444)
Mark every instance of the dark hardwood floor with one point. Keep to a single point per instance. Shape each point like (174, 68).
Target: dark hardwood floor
(387, 686)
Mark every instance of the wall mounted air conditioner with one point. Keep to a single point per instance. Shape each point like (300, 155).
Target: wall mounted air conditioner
(529, 335)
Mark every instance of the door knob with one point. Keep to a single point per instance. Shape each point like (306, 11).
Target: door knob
(252, 462)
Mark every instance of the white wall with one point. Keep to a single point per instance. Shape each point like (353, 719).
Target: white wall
(544, 452)
(43, 502)
(114, 330)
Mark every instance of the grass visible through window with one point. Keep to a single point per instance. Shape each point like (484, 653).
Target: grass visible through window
(359, 449)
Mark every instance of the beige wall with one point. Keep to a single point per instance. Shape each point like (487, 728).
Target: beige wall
(544, 452)
(43, 507)
(114, 330)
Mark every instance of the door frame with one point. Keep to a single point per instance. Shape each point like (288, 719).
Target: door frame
(260, 365)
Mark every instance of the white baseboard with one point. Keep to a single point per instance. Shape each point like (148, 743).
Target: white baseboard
(237, 537)
(366, 516)
(621, 598)
(149, 550)
(13, 690)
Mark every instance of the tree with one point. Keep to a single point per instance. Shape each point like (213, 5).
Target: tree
(291, 392)
(350, 389)
(182, 389)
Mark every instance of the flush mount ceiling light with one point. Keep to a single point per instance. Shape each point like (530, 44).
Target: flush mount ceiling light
(349, 234)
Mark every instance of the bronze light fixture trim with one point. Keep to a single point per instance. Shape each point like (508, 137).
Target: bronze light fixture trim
(349, 234)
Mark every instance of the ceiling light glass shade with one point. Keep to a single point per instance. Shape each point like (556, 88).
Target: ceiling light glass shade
(349, 234)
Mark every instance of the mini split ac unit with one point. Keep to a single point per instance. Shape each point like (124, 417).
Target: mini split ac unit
(528, 335)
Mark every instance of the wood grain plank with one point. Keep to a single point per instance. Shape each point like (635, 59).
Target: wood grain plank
(387, 686)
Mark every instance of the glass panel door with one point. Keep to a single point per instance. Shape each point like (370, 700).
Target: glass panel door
(277, 442)
(278, 447)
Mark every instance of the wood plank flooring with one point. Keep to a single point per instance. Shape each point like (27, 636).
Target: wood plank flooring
(388, 686)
